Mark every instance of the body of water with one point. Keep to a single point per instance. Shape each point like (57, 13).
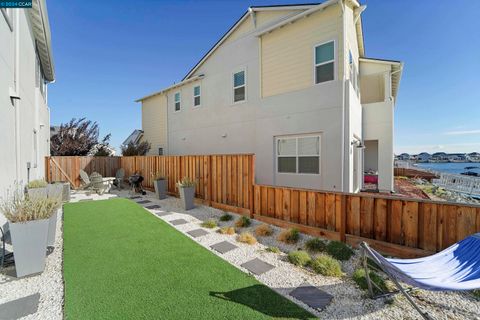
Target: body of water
(450, 167)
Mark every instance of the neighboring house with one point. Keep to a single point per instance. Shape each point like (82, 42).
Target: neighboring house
(403, 156)
(439, 156)
(473, 156)
(457, 157)
(134, 137)
(26, 67)
(423, 157)
(291, 84)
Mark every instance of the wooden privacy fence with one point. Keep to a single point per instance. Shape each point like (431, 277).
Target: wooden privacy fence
(223, 181)
(396, 226)
(414, 173)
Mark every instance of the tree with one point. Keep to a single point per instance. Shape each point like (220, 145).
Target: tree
(136, 149)
(76, 138)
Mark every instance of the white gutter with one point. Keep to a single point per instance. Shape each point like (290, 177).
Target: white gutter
(298, 16)
(344, 42)
(181, 83)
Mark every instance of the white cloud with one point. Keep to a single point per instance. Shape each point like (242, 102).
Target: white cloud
(463, 132)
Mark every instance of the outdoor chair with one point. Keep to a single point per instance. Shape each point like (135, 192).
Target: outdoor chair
(95, 182)
(456, 268)
(86, 183)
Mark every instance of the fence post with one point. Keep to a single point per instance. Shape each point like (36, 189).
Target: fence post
(47, 170)
(209, 180)
(252, 185)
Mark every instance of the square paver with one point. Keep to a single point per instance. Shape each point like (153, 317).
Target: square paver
(257, 266)
(88, 199)
(153, 206)
(135, 197)
(223, 247)
(163, 213)
(178, 222)
(312, 296)
(143, 201)
(20, 308)
(197, 233)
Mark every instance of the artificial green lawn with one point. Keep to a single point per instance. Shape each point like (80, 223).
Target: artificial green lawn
(121, 262)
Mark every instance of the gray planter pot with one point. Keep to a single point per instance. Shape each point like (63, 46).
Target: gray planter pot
(38, 192)
(59, 188)
(160, 188)
(29, 241)
(52, 230)
(187, 194)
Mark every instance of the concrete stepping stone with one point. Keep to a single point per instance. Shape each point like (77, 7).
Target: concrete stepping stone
(257, 266)
(135, 197)
(88, 199)
(163, 213)
(312, 296)
(143, 201)
(20, 308)
(223, 247)
(153, 206)
(197, 233)
(178, 222)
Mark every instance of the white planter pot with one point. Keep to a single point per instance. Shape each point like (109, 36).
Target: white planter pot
(52, 229)
(187, 194)
(29, 241)
(160, 188)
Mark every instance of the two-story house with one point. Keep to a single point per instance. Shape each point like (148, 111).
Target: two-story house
(291, 84)
(26, 67)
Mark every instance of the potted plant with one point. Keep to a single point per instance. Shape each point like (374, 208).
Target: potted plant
(55, 191)
(37, 188)
(160, 184)
(59, 188)
(186, 187)
(28, 222)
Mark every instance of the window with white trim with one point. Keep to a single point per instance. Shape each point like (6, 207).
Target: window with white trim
(196, 96)
(177, 98)
(239, 86)
(325, 62)
(298, 154)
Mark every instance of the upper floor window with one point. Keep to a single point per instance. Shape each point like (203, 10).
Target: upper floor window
(298, 154)
(239, 86)
(325, 62)
(177, 101)
(196, 96)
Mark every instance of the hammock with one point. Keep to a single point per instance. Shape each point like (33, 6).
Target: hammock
(453, 269)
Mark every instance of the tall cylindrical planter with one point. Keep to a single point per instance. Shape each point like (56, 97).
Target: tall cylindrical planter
(38, 192)
(160, 188)
(187, 194)
(29, 242)
(52, 230)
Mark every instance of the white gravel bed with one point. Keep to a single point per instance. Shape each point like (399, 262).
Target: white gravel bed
(349, 301)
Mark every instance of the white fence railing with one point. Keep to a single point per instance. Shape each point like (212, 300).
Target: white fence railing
(460, 183)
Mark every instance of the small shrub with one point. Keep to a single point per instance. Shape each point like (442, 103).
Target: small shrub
(226, 217)
(299, 258)
(37, 184)
(264, 230)
(339, 250)
(243, 222)
(316, 245)
(209, 224)
(273, 249)
(227, 230)
(246, 237)
(327, 266)
(360, 278)
(289, 236)
(476, 294)
(186, 182)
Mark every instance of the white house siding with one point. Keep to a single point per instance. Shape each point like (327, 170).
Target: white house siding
(18, 121)
(154, 123)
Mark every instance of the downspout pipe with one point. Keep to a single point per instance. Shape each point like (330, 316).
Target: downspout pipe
(343, 144)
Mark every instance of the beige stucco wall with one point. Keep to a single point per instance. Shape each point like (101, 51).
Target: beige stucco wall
(154, 122)
(287, 54)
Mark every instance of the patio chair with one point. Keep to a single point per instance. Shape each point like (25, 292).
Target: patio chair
(119, 177)
(86, 183)
(456, 268)
(95, 182)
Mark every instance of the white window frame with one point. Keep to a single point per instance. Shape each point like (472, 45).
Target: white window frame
(199, 96)
(315, 64)
(7, 14)
(179, 101)
(244, 69)
(297, 156)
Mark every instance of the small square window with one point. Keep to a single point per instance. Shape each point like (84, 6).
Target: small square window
(239, 86)
(177, 101)
(196, 96)
(325, 62)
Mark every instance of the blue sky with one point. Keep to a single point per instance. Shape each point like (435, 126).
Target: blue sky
(108, 53)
